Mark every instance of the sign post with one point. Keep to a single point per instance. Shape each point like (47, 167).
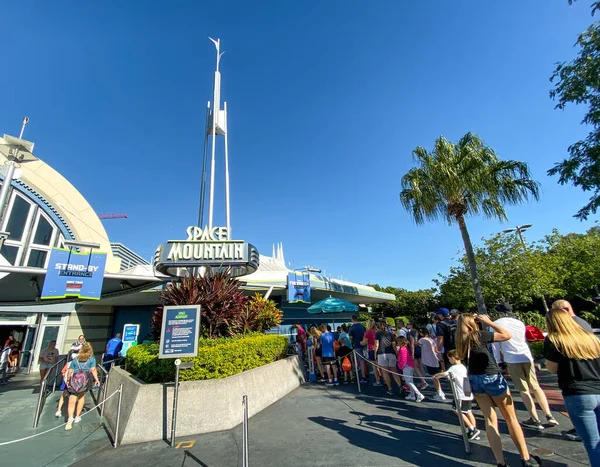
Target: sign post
(179, 338)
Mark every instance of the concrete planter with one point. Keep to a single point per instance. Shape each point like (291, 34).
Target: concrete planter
(204, 406)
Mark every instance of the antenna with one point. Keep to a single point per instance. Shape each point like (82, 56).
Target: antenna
(25, 122)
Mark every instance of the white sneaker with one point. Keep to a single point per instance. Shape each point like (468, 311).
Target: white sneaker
(439, 397)
(69, 424)
(410, 397)
(58, 414)
(77, 419)
(420, 398)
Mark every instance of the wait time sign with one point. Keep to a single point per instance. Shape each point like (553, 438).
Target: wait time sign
(180, 331)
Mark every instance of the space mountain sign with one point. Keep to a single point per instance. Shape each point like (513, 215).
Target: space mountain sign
(208, 247)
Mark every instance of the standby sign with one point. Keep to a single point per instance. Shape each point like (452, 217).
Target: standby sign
(206, 247)
(72, 274)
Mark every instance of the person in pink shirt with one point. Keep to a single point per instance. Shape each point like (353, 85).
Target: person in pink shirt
(369, 341)
(407, 365)
(301, 336)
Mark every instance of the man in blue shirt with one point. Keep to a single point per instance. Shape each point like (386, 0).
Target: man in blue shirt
(357, 334)
(113, 350)
(328, 355)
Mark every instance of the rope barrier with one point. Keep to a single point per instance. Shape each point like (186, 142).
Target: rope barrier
(414, 376)
(59, 426)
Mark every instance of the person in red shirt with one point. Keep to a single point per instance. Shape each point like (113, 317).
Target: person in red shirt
(301, 336)
(369, 341)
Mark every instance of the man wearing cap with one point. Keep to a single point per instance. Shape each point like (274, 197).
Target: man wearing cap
(516, 354)
(446, 332)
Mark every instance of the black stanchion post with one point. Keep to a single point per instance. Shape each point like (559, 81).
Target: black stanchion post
(356, 371)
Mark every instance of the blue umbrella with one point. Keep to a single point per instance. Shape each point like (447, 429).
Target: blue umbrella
(332, 305)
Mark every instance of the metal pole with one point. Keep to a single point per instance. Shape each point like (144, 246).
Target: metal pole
(116, 440)
(227, 211)
(175, 394)
(6, 188)
(463, 429)
(203, 184)
(38, 407)
(356, 370)
(215, 115)
(245, 431)
(520, 232)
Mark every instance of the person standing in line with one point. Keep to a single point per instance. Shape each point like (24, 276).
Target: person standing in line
(76, 347)
(369, 341)
(345, 336)
(406, 365)
(415, 351)
(315, 335)
(386, 356)
(357, 334)
(446, 335)
(79, 382)
(464, 404)
(432, 325)
(4, 363)
(430, 357)
(300, 336)
(574, 355)
(48, 357)
(113, 350)
(488, 385)
(566, 306)
(402, 330)
(516, 354)
(328, 355)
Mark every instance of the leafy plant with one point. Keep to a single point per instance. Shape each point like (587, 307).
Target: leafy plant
(537, 349)
(260, 314)
(217, 358)
(532, 318)
(219, 295)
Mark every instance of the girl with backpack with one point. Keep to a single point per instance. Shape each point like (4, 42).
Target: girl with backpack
(79, 374)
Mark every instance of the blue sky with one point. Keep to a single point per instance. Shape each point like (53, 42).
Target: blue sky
(326, 102)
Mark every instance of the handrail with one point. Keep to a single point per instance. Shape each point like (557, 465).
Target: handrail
(44, 392)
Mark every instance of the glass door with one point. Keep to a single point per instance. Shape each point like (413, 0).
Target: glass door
(52, 328)
(27, 349)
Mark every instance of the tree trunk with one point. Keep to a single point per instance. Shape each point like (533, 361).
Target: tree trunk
(472, 265)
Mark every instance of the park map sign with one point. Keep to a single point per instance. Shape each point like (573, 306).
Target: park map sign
(208, 247)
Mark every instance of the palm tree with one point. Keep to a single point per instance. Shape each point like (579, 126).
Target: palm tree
(457, 180)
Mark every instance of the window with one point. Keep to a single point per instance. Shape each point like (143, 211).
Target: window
(17, 218)
(37, 258)
(32, 234)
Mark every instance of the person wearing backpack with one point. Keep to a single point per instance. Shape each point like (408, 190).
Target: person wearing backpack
(446, 334)
(79, 377)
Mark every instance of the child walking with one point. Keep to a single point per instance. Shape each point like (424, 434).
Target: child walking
(463, 391)
(407, 365)
(431, 361)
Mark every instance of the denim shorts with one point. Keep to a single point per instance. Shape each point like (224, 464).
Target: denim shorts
(493, 385)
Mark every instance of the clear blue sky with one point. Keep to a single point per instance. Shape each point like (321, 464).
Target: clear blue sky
(326, 102)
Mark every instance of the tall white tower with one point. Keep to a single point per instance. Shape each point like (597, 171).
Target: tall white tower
(216, 125)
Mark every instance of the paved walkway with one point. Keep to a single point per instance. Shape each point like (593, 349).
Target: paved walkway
(315, 425)
(58, 448)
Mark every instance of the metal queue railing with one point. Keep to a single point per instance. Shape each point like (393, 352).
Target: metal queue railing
(48, 381)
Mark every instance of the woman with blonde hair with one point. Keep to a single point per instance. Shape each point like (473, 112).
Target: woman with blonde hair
(574, 355)
(488, 385)
(79, 382)
(315, 335)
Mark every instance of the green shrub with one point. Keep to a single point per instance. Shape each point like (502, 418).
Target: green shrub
(537, 348)
(532, 318)
(217, 358)
(590, 317)
(406, 320)
(391, 321)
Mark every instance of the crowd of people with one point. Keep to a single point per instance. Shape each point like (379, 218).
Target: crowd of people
(410, 356)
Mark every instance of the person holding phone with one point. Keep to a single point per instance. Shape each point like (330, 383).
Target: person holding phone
(488, 385)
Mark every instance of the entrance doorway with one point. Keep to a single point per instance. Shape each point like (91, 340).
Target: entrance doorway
(21, 335)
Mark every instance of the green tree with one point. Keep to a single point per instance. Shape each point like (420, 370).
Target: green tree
(578, 82)
(458, 180)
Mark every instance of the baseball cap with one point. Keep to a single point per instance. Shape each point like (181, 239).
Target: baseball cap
(503, 308)
(443, 311)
